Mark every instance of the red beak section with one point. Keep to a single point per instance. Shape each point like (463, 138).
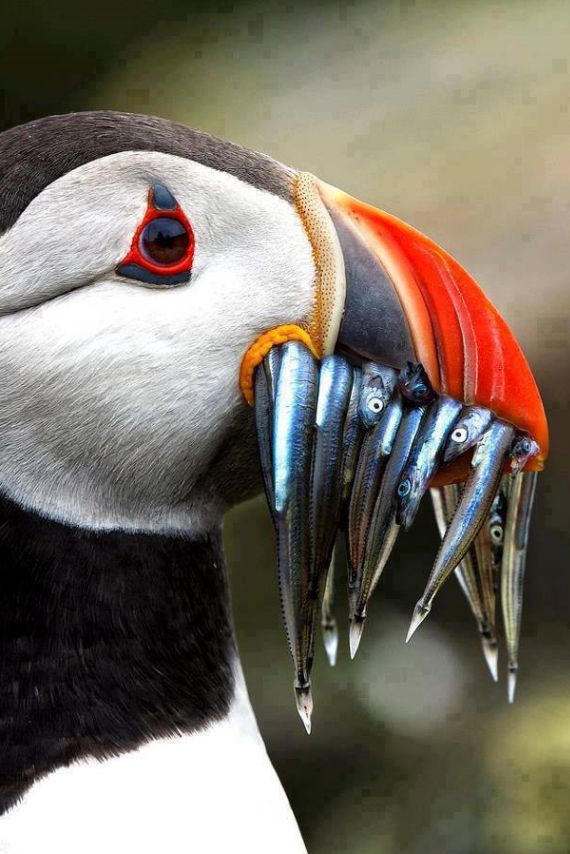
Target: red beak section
(421, 299)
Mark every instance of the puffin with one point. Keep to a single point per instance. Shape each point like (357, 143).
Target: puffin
(181, 321)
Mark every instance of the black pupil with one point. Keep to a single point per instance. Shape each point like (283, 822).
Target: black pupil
(164, 240)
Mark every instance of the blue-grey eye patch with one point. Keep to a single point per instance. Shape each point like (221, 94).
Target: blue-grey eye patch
(163, 198)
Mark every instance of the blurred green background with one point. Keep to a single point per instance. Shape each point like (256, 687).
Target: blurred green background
(454, 116)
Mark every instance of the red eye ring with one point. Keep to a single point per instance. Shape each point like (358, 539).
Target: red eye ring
(137, 263)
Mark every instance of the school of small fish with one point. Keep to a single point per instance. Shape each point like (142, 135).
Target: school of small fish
(355, 448)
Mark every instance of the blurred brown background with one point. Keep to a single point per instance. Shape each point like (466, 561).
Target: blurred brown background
(454, 116)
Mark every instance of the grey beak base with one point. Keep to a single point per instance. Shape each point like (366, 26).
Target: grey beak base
(373, 326)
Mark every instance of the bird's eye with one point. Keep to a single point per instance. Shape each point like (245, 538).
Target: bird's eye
(163, 245)
(375, 405)
(164, 241)
(459, 435)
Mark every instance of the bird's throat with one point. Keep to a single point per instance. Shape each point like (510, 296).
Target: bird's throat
(107, 639)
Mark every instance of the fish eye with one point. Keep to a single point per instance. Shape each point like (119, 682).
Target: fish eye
(375, 405)
(414, 384)
(459, 435)
(164, 241)
(404, 488)
(496, 532)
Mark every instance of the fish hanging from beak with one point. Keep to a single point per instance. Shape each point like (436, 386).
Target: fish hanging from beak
(404, 379)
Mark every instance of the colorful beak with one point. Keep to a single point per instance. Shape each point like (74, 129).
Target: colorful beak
(405, 377)
(407, 299)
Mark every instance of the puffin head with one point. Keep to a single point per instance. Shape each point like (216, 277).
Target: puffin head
(156, 282)
(138, 261)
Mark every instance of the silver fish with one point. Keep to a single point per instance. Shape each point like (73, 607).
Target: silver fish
(524, 447)
(329, 626)
(472, 423)
(414, 385)
(469, 578)
(351, 448)
(265, 380)
(383, 528)
(520, 501)
(335, 382)
(496, 522)
(377, 388)
(444, 501)
(353, 433)
(425, 457)
(486, 469)
(293, 425)
(486, 574)
(374, 454)
(375, 450)
(378, 384)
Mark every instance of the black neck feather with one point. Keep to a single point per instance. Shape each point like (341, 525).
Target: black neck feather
(107, 639)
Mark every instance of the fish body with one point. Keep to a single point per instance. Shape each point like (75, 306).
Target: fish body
(470, 426)
(335, 383)
(425, 457)
(353, 432)
(487, 466)
(520, 502)
(376, 448)
(378, 384)
(293, 426)
(375, 452)
(265, 383)
(329, 627)
(383, 529)
(524, 448)
(414, 385)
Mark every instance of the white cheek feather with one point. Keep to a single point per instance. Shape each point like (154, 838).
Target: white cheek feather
(212, 791)
(115, 397)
